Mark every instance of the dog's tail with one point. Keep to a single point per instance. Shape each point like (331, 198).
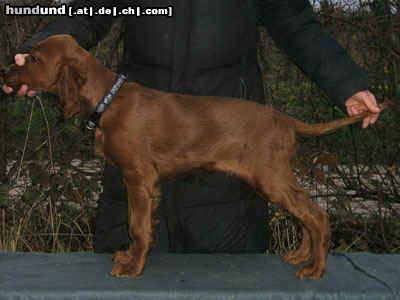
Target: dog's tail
(325, 128)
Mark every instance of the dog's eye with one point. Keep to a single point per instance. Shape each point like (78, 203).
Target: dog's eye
(33, 58)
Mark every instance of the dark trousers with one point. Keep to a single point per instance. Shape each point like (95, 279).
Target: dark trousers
(199, 212)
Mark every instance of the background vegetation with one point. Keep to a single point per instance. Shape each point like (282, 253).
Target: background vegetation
(49, 176)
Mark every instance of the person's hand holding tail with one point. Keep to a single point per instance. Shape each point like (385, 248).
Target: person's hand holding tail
(361, 102)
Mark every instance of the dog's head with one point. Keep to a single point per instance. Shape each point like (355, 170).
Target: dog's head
(56, 65)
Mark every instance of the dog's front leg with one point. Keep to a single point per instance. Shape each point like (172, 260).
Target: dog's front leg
(142, 194)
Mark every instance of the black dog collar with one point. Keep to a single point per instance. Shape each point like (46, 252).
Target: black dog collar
(94, 119)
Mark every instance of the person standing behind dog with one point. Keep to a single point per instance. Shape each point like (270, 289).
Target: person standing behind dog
(209, 48)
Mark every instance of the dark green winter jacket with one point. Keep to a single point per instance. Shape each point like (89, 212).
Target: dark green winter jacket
(209, 47)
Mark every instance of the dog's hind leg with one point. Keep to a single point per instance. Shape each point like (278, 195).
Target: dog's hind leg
(303, 253)
(283, 190)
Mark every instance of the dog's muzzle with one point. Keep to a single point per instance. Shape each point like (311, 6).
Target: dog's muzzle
(3, 73)
(10, 77)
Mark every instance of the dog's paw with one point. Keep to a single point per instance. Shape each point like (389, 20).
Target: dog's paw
(126, 270)
(296, 257)
(122, 257)
(311, 271)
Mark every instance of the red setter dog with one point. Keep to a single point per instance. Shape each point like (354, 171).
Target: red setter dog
(151, 134)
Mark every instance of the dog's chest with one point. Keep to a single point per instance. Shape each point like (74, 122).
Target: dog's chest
(99, 139)
(102, 149)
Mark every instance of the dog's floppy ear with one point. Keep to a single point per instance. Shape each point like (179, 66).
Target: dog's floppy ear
(68, 85)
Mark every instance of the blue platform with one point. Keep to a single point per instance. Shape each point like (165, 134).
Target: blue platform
(196, 276)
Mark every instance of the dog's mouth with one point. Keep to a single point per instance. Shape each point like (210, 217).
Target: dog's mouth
(14, 86)
(11, 78)
(12, 82)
